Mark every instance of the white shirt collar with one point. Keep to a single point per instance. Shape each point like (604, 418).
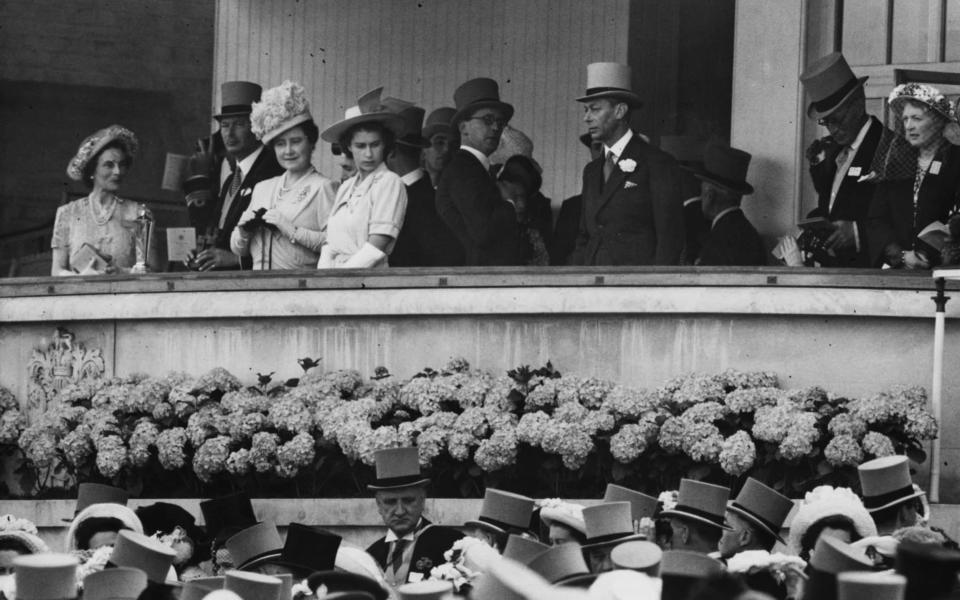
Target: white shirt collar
(392, 537)
(247, 163)
(412, 177)
(619, 146)
(480, 156)
(721, 214)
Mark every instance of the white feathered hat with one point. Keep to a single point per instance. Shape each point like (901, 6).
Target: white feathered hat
(279, 109)
(827, 501)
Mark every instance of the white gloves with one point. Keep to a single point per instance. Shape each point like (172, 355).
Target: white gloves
(326, 258)
(366, 257)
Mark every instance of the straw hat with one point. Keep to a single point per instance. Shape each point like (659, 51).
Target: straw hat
(368, 109)
(641, 505)
(255, 545)
(523, 549)
(253, 586)
(638, 555)
(120, 583)
(397, 468)
(280, 109)
(762, 506)
(237, 98)
(502, 511)
(94, 143)
(147, 554)
(440, 120)
(829, 82)
(699, 501)
(609, 522)
(475, 94)
(429, 589)
(870, 586)
(610, 80)
(47, 576)
(885, 482)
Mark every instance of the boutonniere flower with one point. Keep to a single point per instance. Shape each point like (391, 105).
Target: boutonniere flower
(246, 191)
(627, 165)
(424, 564)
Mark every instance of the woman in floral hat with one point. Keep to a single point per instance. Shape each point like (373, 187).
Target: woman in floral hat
(285, 224)
(17, 537)
(918, 177)
(93, 235)
(370, 205)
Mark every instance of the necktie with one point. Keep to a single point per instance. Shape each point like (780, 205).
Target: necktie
(609, 165)
(396, 559)
(235, 182)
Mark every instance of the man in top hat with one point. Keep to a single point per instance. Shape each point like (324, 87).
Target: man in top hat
(412, 545)
(840, 160)
(697, 518)
(567, 227)
(755, 518)
(225, 184)
(608, 525)
(688, 151)
(889, 494)
(444, 139)
(502, 513)
(223, 517)
(830, 558)
(931, 570)
(424, 240)
(468, 199)
(682, 571)
(632, 212)
(732, 240)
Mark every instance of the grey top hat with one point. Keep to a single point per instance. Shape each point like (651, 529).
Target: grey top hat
(523, 549)
(119, 583)
(641, 505)
(703, 502)
(141, 552)
(763, 506)
(502, 511)
(255, 544)
(397, 468)
(559, 563)
(638, 555)
(49, 576)
(98, 493)
(829, 81)
(609, 80)
(253, 586)
(608, 522)
(860, 585)
(886, 482)
(237, 98)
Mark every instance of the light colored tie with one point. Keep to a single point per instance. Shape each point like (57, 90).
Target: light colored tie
(235, 183)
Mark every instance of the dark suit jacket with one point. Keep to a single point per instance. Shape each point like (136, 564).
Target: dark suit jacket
(425, 240)
(469, 202)
(697, 230)
(565, 231)
(265, 167)
(634, 218)
(733, 241)
(891, 221)
(853, 198)
(427, 550)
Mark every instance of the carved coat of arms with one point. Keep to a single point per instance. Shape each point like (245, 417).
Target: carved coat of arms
(63, 362)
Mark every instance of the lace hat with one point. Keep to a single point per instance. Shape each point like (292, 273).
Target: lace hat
(23, 531)
(95, 142)
(118, 583)
(279, 109)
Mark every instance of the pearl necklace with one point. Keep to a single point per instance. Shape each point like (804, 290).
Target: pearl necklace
(102, 216)
(285, 189)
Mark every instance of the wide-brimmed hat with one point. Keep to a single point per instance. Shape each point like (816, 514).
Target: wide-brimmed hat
(429, 589)
(565, 513)
(826, 501)
(829, 82)
(145, 553)
(930, 569)
(638, 555)
(94, 143)
(397, 468)
(886, 481)
(684, 148)
(762, 506)
(830, 558)
(859, 585)
(502, 511)
(254, 544)
(475, 94)
(699, 501)
(411, 126)
(369, 109)
(119, 583)
(559, 564)
(924, 94)
(608, 523)
(307, 549)
(226, 515)
(48, 576)
(125, 515)
(724, 166)
(253, 586)
(509, 580)
(237, 98)
(440, 120)
(610, 80)
(523, 549)
(681, 570)
(342, 581)
(24, 532)
(641, 505)
(279, 109)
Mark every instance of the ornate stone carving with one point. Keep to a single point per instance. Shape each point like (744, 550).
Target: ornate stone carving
(63, 362)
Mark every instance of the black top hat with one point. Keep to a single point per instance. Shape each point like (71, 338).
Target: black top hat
(762, 506)
(342, 581)
(397, 468)
(930, 570)
(725, 166)
(227, 515)
(481, 92)
(829, 81)
(98, 493)
(306, 550)
(237, 98)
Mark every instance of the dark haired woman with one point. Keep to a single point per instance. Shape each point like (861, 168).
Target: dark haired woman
(519, 181)
(828, 512)
(93, 235)
(285, 225)
(370, 205)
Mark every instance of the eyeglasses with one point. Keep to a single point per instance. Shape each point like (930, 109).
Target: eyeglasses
(835, 118)
(490, 120)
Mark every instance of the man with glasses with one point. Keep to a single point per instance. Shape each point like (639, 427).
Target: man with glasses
(840, 162)
(468, 199)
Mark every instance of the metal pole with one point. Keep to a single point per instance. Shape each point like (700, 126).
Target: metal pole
(937, 393)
